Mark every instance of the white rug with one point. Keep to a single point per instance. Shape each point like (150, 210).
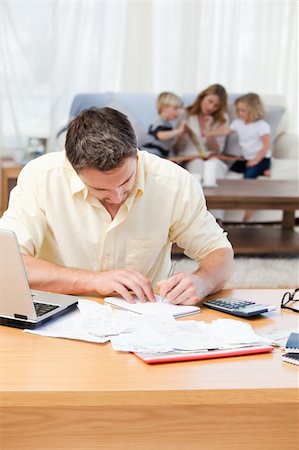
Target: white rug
(256, 272)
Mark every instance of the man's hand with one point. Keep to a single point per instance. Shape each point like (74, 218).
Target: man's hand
(189, 289)
(181, 289)
(126, 282)
(46, 276)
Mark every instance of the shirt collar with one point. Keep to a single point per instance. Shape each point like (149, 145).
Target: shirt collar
(76, 184)
(138, 188)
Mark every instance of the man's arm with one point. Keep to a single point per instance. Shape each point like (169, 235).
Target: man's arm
(211, 276)
(47, 276)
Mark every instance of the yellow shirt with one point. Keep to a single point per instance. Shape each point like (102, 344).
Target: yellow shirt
(57, 219)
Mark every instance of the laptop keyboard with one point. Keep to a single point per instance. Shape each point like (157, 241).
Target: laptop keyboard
(43, 308)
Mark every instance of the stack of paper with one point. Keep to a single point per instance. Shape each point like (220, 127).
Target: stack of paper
(160, 334)
(160, 306)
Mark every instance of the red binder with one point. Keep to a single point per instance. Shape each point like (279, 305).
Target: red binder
(158, 358)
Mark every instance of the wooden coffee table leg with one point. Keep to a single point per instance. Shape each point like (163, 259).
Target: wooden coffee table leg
(288, 220)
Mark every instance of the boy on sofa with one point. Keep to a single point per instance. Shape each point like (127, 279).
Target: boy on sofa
(161, 134)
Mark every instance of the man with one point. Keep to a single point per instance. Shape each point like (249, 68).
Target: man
(102, 218)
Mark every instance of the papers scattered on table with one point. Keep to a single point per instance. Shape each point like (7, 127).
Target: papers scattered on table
(278, 336)
(89, 322)
(148, 333)
(165, 336)
(157, 307)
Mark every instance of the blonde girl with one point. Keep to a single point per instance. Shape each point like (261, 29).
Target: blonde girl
(253, 134)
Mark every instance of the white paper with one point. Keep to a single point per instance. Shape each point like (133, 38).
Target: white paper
(94, 322)
(89, 322)
(234, 332)
(157, 307)
(186, 336)
(147, 333)
(67, 326)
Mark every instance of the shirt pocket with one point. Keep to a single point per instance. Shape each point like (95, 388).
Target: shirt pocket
(144, 254)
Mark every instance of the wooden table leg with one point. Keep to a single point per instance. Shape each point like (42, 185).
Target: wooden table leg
(288, 220)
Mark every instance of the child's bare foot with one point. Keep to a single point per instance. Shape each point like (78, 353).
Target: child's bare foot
(267, 173)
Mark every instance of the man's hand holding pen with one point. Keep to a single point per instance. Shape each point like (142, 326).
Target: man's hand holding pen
(170, 274)
(179, 288)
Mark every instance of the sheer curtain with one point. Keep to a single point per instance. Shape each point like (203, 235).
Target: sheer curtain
(52, 49)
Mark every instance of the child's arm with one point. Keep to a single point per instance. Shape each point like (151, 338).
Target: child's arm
(261, 154)
(164, 135)
(221, 131)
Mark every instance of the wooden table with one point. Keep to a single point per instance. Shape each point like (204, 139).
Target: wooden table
(259, 194)
(70, 395)
(9, 174)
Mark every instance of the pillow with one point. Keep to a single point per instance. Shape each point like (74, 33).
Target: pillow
(138, 128)
(274, 114)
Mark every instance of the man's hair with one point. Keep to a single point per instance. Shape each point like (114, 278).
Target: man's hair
(254, 105)
(168, 99)
(213, 89)
(102, 138)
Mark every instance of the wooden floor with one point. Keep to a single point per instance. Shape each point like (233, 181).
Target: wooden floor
(258, 240)
(263, 240)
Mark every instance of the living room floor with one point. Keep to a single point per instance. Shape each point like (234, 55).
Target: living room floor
(256, 271)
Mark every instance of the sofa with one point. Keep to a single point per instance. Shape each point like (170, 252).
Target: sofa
(140, 109)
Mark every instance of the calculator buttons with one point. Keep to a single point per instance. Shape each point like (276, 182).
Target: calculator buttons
(237, 307)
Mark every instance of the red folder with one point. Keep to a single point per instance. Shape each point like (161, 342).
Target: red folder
(158, 358)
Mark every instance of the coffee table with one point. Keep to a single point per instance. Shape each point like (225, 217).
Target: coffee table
(259, 194)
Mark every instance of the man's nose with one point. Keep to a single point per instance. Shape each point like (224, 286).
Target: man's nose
(117, 195)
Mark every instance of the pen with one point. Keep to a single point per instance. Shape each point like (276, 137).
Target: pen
(170, 273)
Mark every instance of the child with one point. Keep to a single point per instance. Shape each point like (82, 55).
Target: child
(254, 139)
(161, 134)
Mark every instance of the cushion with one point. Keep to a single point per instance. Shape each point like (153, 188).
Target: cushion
(136, 124)
(83, 101)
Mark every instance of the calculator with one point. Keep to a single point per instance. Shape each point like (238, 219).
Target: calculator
(238, 307)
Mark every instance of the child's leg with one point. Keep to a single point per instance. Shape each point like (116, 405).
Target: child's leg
(238, 166)
(251, 173)
(258, 169)
(248, 214)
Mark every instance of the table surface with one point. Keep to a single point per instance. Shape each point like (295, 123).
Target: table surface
(59, 393)
(35, 365)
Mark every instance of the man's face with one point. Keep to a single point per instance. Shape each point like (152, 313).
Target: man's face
(112, 187)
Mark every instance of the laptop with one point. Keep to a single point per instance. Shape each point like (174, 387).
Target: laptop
(21, 307)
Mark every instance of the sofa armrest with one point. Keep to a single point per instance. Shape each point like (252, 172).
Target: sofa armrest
(286, 146)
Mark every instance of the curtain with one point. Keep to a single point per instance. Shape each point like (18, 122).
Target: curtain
(51, 50)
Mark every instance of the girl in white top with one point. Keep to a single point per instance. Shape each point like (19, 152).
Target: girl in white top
(253, 134)
(254, 138)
